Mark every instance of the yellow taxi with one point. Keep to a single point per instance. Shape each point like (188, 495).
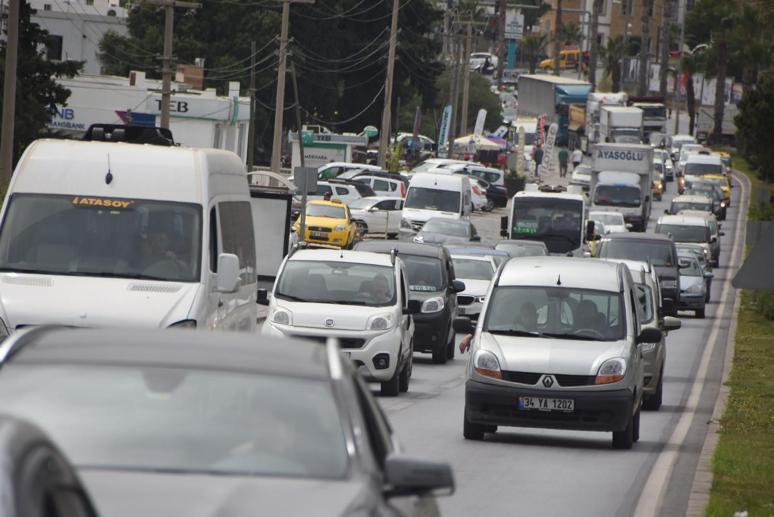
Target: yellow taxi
(328, 223)
(568, 58)
(658, 187)
(722, 181)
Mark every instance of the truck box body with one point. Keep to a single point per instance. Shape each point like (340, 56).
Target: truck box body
(552, 96)
(609, 161)
(620, 122)
(654, 117)
(594, 103)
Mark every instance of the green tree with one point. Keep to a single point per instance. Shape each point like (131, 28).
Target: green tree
(612, 56)
(534, 46)
(571, 34)
(752, 43)
(755, 125)
(691, 64)
(37, 92)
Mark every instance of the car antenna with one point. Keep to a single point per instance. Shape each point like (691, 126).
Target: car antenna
(393, 254)
(109, 175)
(559, 279)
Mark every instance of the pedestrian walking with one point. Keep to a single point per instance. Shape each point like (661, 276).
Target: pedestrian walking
(537, 157)
(564, 158)
(577, 157)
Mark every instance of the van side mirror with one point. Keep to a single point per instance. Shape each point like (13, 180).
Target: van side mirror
(228, 273)
(262, 297)
(406, 476)
(463, 325)
(504, 226)
(650, 335)
(589, 231)
(457, 286)
(414, 307)
(672, 323)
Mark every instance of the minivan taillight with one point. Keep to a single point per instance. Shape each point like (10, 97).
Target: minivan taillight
(402, 189)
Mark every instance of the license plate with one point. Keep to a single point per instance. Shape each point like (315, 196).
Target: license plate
(319, 235)
(544, 404)
(461, 310)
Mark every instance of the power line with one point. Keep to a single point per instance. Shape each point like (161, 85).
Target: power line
(347, 121)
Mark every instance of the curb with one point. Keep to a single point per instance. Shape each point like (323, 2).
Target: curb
(699, 497)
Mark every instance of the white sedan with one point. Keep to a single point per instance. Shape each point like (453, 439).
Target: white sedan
(378, 214)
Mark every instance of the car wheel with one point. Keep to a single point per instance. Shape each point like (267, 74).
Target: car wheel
(440, 355)
(653, 403)
(450, 346)
(361, 226)
(472, 431)
(700, 313)
(489, 205)
(405, 376)
(636, 427)
(624, 439)
(392, 235)
(391, 387)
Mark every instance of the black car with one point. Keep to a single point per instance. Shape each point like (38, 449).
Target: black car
(431, 281)
(659, 249)
(163, 423)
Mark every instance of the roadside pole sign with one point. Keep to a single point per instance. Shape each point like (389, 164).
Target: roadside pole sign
(478, 130)
(443, 134)
(305, 179)
(520, 153)
(547, 167)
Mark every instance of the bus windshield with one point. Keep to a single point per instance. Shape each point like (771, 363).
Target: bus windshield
(555, 222)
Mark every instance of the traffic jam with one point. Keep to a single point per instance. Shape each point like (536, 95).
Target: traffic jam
(560, 300)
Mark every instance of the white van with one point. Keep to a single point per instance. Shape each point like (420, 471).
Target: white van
(108, 234)
(434, 195)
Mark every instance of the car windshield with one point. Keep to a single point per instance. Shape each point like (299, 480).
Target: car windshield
(556, 222)
(342, 283)
(331, 211)
(103, 237)
(683, 232)
(645, 299)
(425, 274)
(690, 267)
(708, 192)
(472, 269)
(567, 313)
(433, 199)
(617, 195)
(515, 249)
(658, 252)
(678, 206)
(193, 421)
(700, 169)
(447, 227)
(608, 218)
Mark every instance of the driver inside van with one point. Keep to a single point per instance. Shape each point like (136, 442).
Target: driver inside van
(159, 258)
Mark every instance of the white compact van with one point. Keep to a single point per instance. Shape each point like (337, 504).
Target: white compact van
(434, 195)
(112, 234)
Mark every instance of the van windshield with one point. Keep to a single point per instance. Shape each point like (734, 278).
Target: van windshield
(617, 195)
(433, 199)
(104, 237)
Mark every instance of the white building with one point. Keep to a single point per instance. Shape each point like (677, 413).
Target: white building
(197, 118)
(77, 26)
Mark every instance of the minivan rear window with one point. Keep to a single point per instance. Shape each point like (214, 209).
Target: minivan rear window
(433, 199)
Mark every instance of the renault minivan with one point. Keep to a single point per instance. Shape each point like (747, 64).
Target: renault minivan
(115, 234)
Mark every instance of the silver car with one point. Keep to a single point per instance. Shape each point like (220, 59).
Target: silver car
(559, 346)
(475, 271)
(693, 289)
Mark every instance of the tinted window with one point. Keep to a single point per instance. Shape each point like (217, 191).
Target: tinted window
(381, 185)
(424, 273)
(473, 269)
(660, 253)
(617, 195)
(341, 191)
(447, 227)
(222, 423)
(236, 228)
(684, 233)
(433, 199)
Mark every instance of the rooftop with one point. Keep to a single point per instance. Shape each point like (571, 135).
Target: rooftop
(561, 272)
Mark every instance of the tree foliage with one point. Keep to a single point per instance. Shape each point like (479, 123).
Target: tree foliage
(612, 56)
(37, 91)
(755, 125)
(534, 46)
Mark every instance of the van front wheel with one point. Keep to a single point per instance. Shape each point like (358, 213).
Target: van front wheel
(391, 387)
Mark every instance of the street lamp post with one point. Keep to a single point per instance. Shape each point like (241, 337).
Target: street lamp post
(678, 93)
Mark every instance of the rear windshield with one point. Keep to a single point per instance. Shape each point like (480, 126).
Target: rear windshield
(700, 169)
(617, 195)
(684, 233)
(658, 252)
(680, 206)
(433, 199)
(473, 269)
(425, 274)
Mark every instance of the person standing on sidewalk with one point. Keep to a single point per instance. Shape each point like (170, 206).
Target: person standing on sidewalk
(537, 157)
(564, 157)
(577, 158)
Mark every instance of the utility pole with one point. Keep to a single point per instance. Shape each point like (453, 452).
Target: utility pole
(596, 8)
(302, 220)
(557, 38)
(678, 94)
(455, 86)
(279, 102)
(384, 135)
(166, 70)
(251, 129)
(9, 94)
(503, 5)
(642, 86)
(666, 32)
(466, 83)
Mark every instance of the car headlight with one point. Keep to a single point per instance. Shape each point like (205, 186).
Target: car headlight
(404, 223)
(695, 288)
(669, 284)
(281, 317)
(485, 363)
(647, 348)
(612, 370)
(185, 324)
(722, 204)
(380, 322)
(480, 299)
(418, 239)
(341, 228)
(433, 305)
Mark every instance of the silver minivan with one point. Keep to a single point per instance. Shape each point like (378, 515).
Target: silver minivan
(559, 346)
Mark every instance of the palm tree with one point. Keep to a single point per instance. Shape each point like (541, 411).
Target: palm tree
(690, 64)
(571, 34)
(534, 47)
(557, 32)
(612, 56)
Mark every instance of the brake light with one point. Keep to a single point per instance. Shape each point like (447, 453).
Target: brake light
(402, 189)
(476, 190)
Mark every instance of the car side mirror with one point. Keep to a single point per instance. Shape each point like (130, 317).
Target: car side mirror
(457, 286)
(463, 325)
(590, 231)
(721, 234)
(414, 307)
(683, 263)
(666, 211)
(228, 273)
(629, 226)
(475, 238)
(407, 476)
(713, 239)
(504, 226)
(672, 323)
(708, 274)
(262, 297)
(373, 209)
(650, 335)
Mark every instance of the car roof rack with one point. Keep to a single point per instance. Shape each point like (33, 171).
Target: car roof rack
(552, 188)
(130, 134)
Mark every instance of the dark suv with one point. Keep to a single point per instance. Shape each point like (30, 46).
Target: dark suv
(660, 250)
(431, 281)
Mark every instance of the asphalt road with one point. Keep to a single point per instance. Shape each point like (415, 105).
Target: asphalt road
(548, 472)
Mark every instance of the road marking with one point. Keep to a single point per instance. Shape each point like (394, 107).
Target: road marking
(652, 496)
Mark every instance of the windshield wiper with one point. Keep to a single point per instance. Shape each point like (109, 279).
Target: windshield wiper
(102, 274)
(289, 297)
(515, 332)
(577, 337)
(340, 302)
